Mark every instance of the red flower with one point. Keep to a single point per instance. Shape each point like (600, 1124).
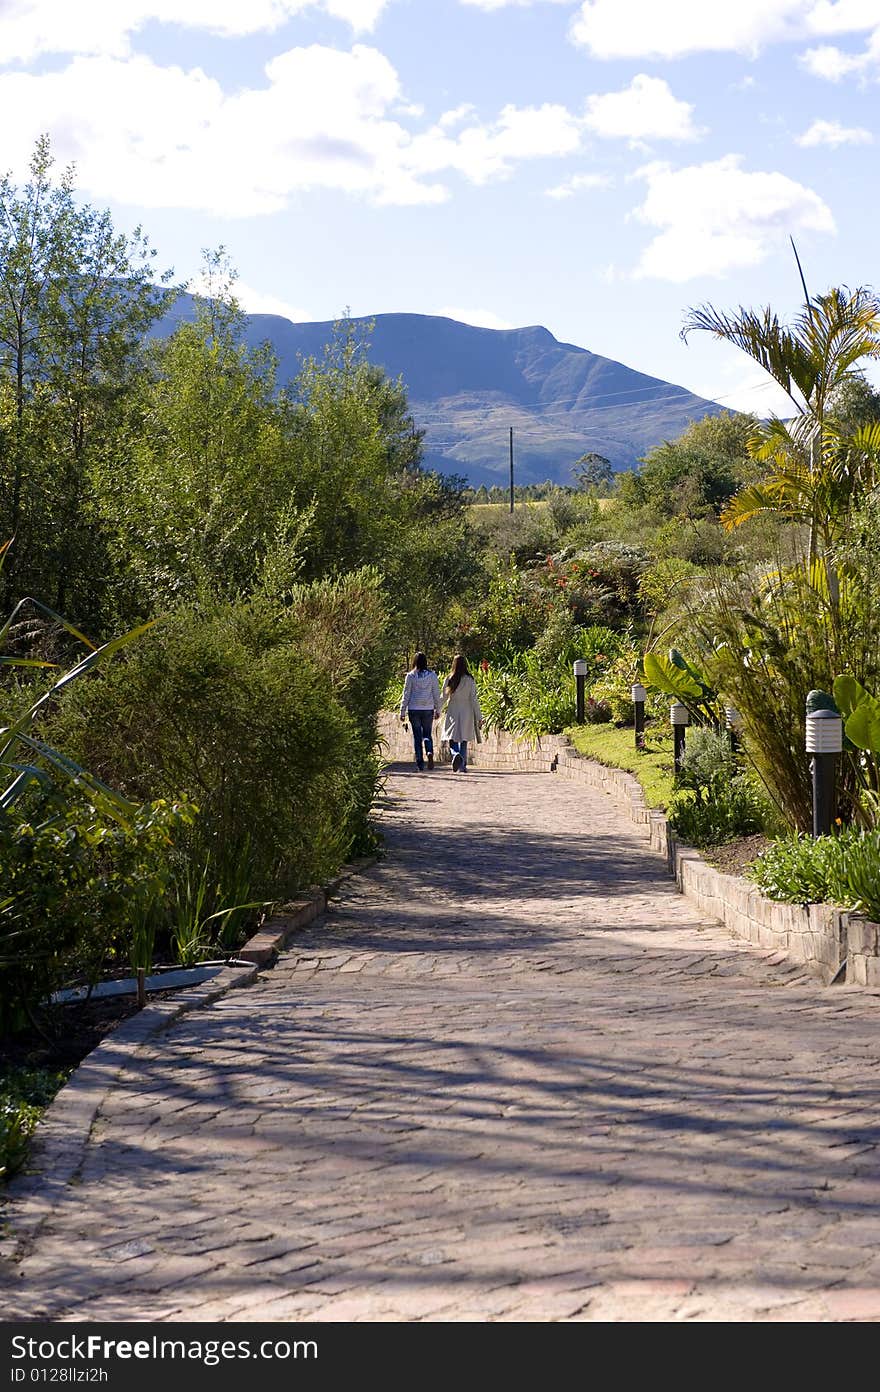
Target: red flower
(484, 666)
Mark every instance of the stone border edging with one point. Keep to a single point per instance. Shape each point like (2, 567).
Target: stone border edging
(826, 939)
(62, 1133)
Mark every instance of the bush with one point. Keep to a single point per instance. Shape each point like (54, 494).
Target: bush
(24, 1095)
(841, 869)
(228, 702)
(75, 888)
(732, 812)
(533, 693)
(715, 799)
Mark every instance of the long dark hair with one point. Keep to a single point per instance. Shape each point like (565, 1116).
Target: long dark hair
(459, 669)
(420, 663)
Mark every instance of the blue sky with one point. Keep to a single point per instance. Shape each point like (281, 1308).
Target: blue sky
(595, 166)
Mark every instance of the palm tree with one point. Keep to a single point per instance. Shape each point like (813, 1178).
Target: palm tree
(816, 468)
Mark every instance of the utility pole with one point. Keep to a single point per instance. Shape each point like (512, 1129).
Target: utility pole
(511, 468)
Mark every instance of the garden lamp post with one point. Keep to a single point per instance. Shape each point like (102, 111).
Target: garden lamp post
(638, 699)
(580, 677)
(733, 720)
(824, 742)
(679, 719)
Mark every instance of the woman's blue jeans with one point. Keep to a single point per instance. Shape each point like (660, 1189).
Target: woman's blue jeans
(460, 747)
(422, 722)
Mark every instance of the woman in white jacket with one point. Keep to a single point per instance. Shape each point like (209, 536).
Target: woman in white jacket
(463, 716)
(421, 701)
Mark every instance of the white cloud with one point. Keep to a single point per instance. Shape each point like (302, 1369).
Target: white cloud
(324, 119)
(258, 302)
(712, 218)
(480, 318)
(457, 116)
(177, 140)
(834, 134)
(646, 28)
(645, 110)
(33, 27)
(576, 183)
(832, 63)
(481, 152)
(505, 4)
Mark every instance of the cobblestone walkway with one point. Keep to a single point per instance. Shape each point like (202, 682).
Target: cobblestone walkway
(512, 1076)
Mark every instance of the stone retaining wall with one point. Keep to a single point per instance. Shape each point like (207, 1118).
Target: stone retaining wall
(830, 942)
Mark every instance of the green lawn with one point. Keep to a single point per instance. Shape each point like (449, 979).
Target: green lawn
(615, 747)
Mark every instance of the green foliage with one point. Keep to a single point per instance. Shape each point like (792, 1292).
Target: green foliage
(841, 869)
(715, 799)
(24, 1095)
(74, 884)
(229, 701)
(533, 692)
(76, 299)
(686, 683)
(593, 471)
(695, 475)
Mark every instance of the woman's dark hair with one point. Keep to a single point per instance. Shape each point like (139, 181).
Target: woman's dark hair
(420, 663)
(459, 669)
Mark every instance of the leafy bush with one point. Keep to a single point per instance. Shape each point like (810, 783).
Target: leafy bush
(533, 693)
(840, 869)
(228, 701)
(76, 886)
(597, 712)
(24, 1095)
(715, 799)
(734, 811)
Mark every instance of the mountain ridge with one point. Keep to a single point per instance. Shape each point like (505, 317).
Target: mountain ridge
(467, 386)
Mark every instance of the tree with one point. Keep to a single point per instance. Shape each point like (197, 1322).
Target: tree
(593, 471)
(76, 299)
(815, 466)
(695, 475)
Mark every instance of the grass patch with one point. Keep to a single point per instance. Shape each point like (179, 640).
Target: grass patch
(486, 512)
(615, 747)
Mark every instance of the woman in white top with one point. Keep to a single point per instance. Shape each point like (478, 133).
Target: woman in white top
(421, 701)
(463, 716)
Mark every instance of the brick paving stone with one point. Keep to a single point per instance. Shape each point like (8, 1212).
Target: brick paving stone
(511, 1075)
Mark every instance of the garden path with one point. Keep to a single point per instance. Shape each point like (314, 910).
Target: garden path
(512, 1075)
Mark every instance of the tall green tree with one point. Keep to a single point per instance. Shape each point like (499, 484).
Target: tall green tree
(76, 299)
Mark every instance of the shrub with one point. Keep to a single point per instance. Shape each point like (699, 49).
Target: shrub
(716, 800)
(734, 811)
(227, 701)
(24, 1095)
(840, 869)
(75, 887)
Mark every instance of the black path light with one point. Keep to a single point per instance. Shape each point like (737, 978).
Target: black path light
(825, 743)
(580, 677)
(639, 695)
(679, 718)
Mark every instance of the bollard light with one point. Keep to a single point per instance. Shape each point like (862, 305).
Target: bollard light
(638, 698)
(581, 667)
(679, 718)
(824, 741)
(734, 722)
(824, 732)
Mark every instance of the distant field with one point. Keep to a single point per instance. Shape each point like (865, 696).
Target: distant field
(486, 512)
